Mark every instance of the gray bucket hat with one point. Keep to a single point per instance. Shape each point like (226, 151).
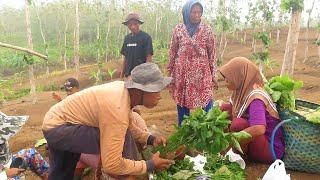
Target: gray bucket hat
(132, 16)
(147, 77)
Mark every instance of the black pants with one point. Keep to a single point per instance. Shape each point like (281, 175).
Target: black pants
(66, 143)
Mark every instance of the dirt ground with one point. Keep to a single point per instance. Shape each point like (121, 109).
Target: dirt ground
(164, 115)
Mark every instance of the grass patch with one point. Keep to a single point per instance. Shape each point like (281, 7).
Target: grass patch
(9, 94)
(15, 94)
(50, 87)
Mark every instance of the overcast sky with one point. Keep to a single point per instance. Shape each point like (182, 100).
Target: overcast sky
(308, 3)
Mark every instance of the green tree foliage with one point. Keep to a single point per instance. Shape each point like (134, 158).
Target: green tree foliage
(264, 37)
(292, 5)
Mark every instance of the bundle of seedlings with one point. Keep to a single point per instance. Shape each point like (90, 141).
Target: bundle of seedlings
(282, 90)
(216, 167)
(205, 133)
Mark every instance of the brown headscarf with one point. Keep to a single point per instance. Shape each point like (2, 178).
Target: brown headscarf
(243, 74)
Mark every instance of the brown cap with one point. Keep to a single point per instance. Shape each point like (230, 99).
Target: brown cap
(132, 16)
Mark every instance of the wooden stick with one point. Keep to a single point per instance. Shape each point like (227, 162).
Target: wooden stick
(24, 50)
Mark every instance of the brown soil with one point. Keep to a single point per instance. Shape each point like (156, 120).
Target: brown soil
(164, 115)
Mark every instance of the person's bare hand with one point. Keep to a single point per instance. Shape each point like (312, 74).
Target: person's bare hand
(159, 140)
(12, 172)
(160, 163)
(56, 96)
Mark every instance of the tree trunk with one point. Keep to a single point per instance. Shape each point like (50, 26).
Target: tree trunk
(319, 47)
(292, 43)
(222, 44)
(254, 42)
(261, 66)
(119, 32)
(309, 14)
(65, 40)
(278, 35)
(30, 46)
(233, 36)
(98, 80)
(107, 35)
(74, 42)
(306, 50)
(245, 37)
(253, 45)
(224, 48)
(160, 25)
(168, 34)
(270, 35)
(98, 40)
(44, 42)
(319, 52)
(77, 42)
(156, 28)
(59, 37)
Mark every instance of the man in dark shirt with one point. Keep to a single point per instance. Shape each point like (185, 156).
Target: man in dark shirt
(137, 46)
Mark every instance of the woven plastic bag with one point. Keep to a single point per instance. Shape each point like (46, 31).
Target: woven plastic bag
(276, 171)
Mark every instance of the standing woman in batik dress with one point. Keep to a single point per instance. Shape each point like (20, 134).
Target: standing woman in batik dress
(192, 62)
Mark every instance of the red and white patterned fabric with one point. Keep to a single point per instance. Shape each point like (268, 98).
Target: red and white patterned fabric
(192, 64)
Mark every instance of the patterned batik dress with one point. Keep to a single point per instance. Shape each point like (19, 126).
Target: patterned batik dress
(192, 64)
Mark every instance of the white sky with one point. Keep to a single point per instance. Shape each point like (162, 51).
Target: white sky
(308, 3)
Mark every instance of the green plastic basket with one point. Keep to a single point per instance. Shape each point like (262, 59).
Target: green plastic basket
(302, 140)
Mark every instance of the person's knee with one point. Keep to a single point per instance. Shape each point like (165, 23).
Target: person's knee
(238, 124)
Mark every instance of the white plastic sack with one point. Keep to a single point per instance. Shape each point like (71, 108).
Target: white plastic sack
(276, 171)
(10, 125)
(234, 157)
(199, 162)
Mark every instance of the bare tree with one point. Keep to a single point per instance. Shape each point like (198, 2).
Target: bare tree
(98, 10)
(66, 26)
(77, 42)
(45, 44)
(278, 27)
(30, 46)
(295, 7)
(223, 24)
(108, 25)
(318, 40)
(306, 50)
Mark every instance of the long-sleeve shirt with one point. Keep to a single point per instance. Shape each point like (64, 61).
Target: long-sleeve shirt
(192, 65)
(106, 107)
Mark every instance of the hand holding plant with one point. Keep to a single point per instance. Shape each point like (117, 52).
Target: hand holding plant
(12, 172)
(159, 141)
(160, 163)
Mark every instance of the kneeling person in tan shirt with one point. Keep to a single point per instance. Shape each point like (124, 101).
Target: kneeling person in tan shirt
(95, 121)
